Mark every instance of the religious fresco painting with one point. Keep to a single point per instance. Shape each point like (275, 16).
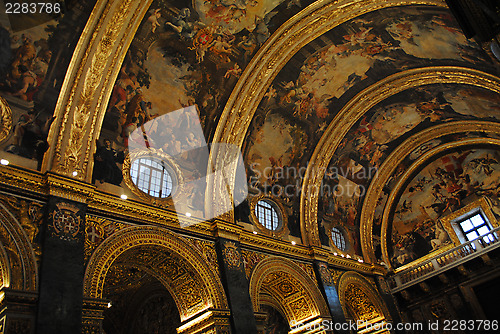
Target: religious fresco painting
(442, 187)
(34, 52)
(336, 66)
(185, 54)
(378, 133)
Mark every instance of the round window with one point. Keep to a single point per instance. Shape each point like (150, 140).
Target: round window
(152, 177)
(267, 215)
(338, 239)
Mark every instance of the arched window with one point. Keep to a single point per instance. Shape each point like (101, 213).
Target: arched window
(338, 239)
(267, 215)
(151, 176)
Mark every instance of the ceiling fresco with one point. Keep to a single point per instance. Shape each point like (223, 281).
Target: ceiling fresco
(445, 185)
(324, 75)
(189, 53)
(35, 52)
(384, 127)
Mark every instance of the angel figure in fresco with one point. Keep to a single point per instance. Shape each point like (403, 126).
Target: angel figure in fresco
(153, 19)
(234, 71)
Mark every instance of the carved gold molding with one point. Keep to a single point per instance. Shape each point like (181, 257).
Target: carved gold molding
(390, 164)
(5, 119)
(133, 237)
(373, 303)
(20, 256)
(88, 84)
(310, 23)
(272, 272)
(356, 108)
(408, 173)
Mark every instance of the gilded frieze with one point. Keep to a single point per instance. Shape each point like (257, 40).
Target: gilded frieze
(5, 119)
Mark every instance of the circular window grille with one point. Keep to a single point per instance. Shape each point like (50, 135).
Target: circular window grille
(338, 239)
(267, 215)
(151, 176)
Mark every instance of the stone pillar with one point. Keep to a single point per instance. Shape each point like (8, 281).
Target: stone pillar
(62, 267)
(233, 277)
(17, 311)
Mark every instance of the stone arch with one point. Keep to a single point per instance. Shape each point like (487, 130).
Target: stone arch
(195, 287)
(282, 284)
(360, 300)
(18, 268)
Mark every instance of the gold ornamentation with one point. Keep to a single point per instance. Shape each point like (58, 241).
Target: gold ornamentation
(65, 221)
(354, 110)
(390, 164)
(94, 65)
(282, 215)
(291, 287)
(207, 248)
(18, 263)
(360, 299)
(133, 237)
(310, 23)
(5, 119)
(326, 277)
(97, 230)
(251, 259)
(409, 171)
(232, 256)
(335, 275)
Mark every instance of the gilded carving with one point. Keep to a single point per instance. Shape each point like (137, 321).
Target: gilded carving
(232, 256)
(251, 259)
(5, 119)
(65, 222)
(291, 287)
(359, 298)
(130, 238)
(18, 261)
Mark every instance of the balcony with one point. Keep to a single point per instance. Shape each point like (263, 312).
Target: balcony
(449, 259)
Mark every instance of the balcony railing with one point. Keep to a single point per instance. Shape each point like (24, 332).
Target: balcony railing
(444, 261)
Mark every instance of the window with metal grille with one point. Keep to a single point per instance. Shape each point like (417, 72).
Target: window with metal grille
(474, 227)
(338, 239)
(267, 215)
(152, 177)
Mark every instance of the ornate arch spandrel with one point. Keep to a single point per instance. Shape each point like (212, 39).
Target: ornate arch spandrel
(16, 253)
(355, 109)
(144, 236)
(5, 119)
(390, 164)
(290, 286)
(88, 84)
(409, 172)
(310, 23)
(360, 299)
